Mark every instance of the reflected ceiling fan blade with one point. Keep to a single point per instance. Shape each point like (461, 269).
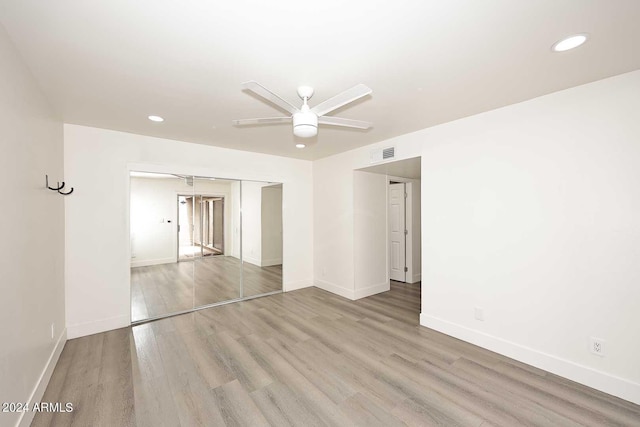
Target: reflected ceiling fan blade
(341, 99)
(339, 121)
(264, 121)
(265, 93)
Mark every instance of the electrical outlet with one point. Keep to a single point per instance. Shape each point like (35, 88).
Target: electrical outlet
(479, 314)
(596, 346)
(53, 330)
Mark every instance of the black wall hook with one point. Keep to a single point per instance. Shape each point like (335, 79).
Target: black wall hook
(60, 186)
(67, 193)
(51, 188)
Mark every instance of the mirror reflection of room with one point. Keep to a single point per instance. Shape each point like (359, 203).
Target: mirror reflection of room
(190, 248)
(261, 237)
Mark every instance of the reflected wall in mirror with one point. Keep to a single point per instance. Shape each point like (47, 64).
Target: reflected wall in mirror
(217, 235)
(160, 284)
(261, 238)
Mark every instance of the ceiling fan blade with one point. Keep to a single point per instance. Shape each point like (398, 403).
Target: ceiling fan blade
(341, 99)
(265, 93)
(264, 121)
(339, 121)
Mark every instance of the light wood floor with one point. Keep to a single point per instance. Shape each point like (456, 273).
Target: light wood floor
(310, 358)
(170, 288)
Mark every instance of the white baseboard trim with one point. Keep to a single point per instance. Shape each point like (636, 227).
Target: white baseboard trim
(250, 260)
(371, 290)
(147, 262)
(416, 278)
(270, 262)
(335, 289)
(298, 284)
(97, 326)
(43, 381)
(590, 377)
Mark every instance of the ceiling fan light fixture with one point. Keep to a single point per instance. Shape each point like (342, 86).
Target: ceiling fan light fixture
(305, 131)
(300, 145)
(570, 42)
(305, 124)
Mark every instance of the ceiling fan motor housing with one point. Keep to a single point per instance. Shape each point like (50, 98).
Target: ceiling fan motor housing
(305, 124)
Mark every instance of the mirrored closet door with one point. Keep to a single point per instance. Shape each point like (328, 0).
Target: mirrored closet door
(161, 224)
(198, 242)
(261, 238)
(217, 232)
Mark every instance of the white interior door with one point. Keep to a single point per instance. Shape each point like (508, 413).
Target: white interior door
(397, 237)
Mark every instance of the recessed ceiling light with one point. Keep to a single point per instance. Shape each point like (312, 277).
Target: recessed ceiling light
(156, 119)
(569, 43)
(300, 145)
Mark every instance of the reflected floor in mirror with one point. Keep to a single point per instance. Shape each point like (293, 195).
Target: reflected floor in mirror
(163, 289)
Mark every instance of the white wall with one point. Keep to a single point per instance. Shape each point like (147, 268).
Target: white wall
(333, 223)
(271, 225)
(370, 255)
(32, 230)
(531, 212)
(154, 221)
(252, 222)
(98, 161)
(235, 219)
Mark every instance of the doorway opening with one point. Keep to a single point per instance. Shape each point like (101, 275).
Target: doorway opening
(200, 226)
(387, 233)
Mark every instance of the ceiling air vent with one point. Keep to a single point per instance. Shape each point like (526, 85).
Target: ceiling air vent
(380, 154)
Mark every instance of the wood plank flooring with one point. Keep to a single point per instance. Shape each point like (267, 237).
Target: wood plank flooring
(158, 290)
(310, 358)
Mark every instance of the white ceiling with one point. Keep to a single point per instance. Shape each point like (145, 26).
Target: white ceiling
(110, 64)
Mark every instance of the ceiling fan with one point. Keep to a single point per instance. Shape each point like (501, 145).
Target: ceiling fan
(305, 119)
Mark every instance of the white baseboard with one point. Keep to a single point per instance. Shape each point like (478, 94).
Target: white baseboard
(270, 262)
(372, 290)
(250, 260)
(416, 278)
(97, 326)
(333, 288)
(43, 381)
(298, 284)
(147, 262)
(590, 377)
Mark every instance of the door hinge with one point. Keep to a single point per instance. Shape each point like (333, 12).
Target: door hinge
(406, 269)
(406, 232)
(406, 195)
